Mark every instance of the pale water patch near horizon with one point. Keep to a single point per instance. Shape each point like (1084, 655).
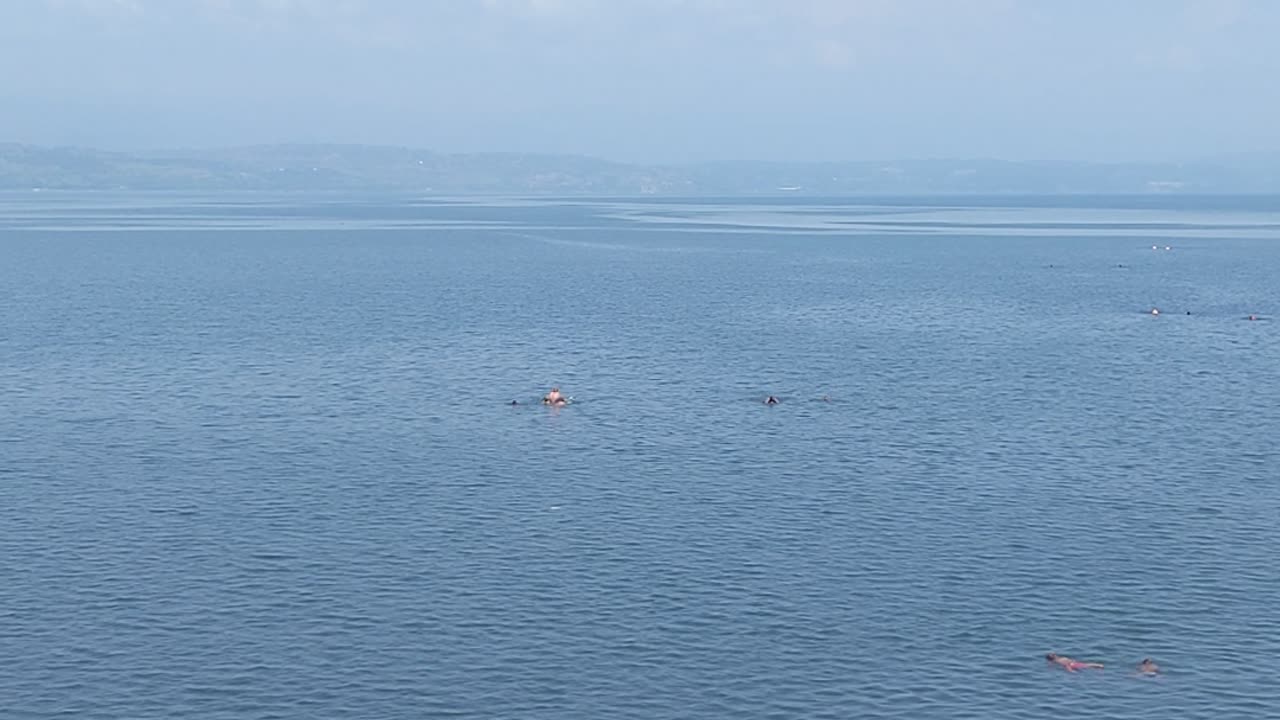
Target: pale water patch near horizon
(257, 458)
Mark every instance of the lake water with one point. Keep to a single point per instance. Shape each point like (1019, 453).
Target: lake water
(257, 458)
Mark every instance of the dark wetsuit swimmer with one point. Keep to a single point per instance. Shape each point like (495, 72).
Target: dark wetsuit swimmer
(771, 400)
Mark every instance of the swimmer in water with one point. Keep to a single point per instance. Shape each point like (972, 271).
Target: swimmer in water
(1253, 317)
(1147, 667)
(771, 400)
(1072, 665)
(553, 398)
(513, 403)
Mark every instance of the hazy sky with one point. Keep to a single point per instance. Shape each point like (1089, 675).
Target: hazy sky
(652, 80)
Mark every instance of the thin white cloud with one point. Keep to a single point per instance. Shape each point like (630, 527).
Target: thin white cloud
(100, 8)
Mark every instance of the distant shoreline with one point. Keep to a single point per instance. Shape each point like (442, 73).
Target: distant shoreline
(364, 168)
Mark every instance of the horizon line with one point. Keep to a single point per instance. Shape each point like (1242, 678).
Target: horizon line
(600, 158)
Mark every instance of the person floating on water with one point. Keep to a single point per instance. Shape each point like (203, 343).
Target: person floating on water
(554, 398)
(1147, 667)
(771, 400)
(1253, 317)
(1072, 665)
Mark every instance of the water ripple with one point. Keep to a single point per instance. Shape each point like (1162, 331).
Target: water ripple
(273, 474)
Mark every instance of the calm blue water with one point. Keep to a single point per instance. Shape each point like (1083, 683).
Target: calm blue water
(256, 459)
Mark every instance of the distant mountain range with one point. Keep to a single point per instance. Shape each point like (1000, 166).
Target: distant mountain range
(380, 168)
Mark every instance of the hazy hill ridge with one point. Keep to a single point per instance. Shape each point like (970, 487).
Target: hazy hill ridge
(365, 167)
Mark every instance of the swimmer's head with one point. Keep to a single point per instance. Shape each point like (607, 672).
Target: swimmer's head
(1050, 657)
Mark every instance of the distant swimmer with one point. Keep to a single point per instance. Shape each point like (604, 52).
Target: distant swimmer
(1253, 317)
(771, 400)
(513, 403)
(826, 398)
(1147, 667)
(1072, 665)
(554, 398)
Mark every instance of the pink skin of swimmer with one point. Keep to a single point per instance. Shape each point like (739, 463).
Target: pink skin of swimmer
(1070, 664)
